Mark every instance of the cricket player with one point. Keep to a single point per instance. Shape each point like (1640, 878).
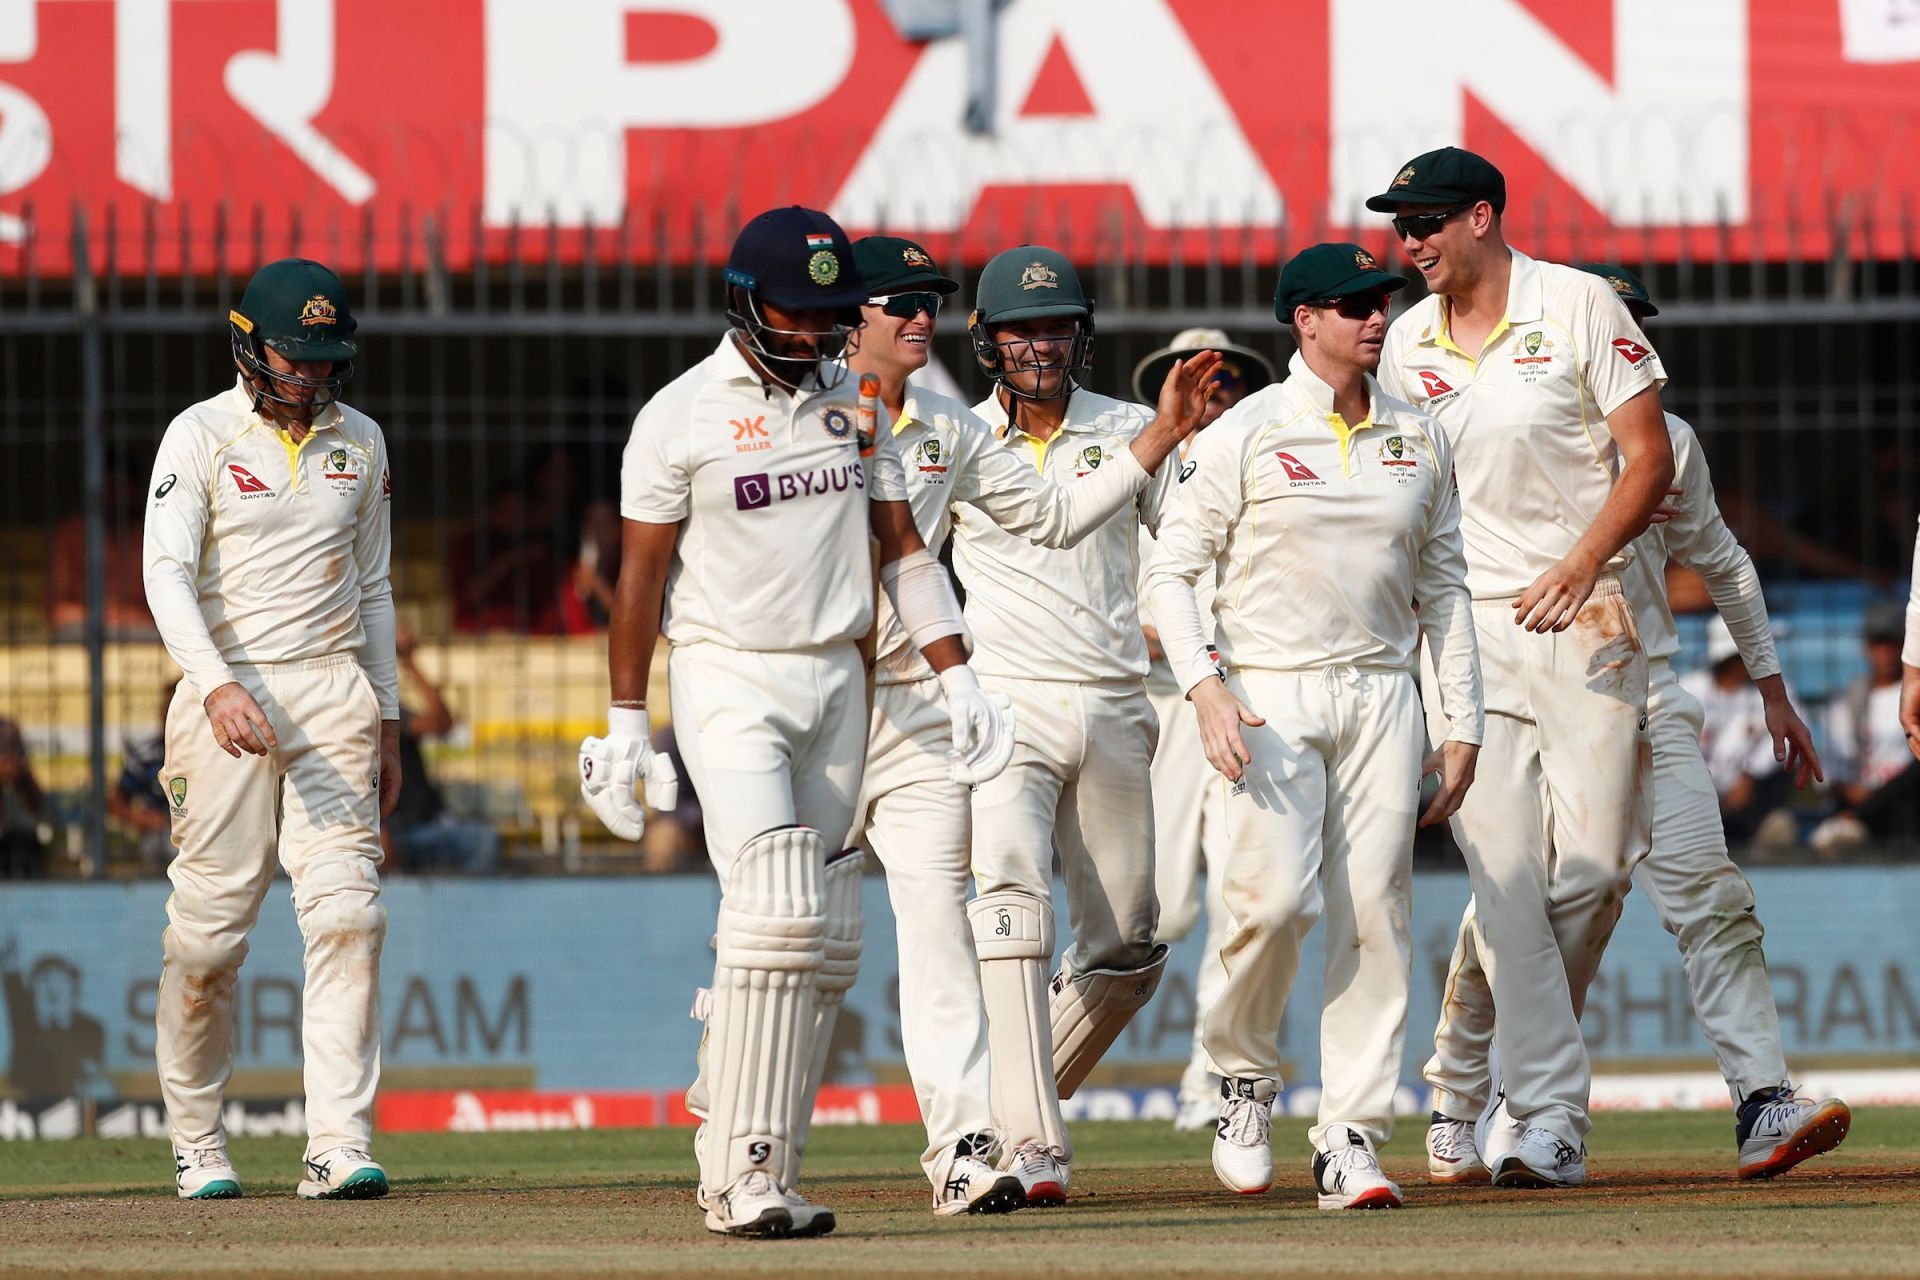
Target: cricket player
(747, 506)
(1701, 897)
(912, 814)
(1323, 509)
(265, 559)
(1550, 396)
(1058, 633)
(1189, 839)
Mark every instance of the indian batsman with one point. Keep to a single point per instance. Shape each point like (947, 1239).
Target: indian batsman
(1189, 852)
(747, 507)
(912, 814)
(1701, 897)
(1324, 509)
(1058, 633)
(266, 551)
(1550, 396)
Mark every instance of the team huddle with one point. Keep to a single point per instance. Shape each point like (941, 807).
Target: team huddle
(1435, 550)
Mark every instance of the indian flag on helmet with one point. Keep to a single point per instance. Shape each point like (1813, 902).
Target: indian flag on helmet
(819, 241)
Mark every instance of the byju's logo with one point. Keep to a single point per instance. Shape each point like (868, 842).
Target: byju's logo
(750, 493)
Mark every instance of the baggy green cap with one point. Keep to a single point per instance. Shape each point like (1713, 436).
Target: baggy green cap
(1446, 176)
(1336, 270)
(893, 264)
(1624, 283)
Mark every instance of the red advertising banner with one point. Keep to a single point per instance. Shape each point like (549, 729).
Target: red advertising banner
(191, 134)
(520, 1110)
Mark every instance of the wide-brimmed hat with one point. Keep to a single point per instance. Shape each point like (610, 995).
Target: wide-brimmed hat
(1252, 369)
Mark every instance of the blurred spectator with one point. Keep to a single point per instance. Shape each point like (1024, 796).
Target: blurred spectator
(1876, 779)
(139, 799)
(23, 807)
(503, 570)
(675, 840)
(420, 835)
(586, 602)
(58, 1050)
(1738, 747)
(127, 616)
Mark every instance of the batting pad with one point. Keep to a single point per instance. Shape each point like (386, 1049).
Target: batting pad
(841, 967)
(1013, 936)
(1091, 1009)
(769, 949)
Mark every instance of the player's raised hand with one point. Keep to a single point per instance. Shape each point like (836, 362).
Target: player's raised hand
(1186, 390)
(1221, 715)
(611, 766)
(1555, 598)
(1454, 762)
(238, 722)
(982, 727)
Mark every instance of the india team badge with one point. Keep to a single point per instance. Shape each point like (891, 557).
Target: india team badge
(823, 268)
(838, 422)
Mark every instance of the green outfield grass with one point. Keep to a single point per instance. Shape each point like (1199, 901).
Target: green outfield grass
(1663, 1202)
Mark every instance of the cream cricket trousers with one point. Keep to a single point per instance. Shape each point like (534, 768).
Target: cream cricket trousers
(1189, 863)
(770, 739)
(1701, 898)
(1322, 822)
(1078, 783)
(1559, 814)
(313, 801)
(915, 820)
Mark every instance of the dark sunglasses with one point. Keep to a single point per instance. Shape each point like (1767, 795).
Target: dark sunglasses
(1359, 306)
(1422, 225)
(906, 306)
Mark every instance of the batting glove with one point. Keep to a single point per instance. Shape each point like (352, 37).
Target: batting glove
(610, 766)
(982, 727)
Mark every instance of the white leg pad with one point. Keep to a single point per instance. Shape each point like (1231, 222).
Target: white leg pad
(837, 973)
(1013, 936)
(1091, 1009)
(769, 949)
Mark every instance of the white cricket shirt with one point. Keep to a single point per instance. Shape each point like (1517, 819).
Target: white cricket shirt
(1699, 539)
(1527, 419)
(1072, 613)
(771, 494)
(1319, 538)
(260, 550)
(951, 457)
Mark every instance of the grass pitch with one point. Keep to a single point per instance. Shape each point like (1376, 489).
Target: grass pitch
(1663, 1202)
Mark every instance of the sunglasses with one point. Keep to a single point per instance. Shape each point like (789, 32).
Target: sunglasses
(1421, 225)
(906, 306)
(1359, 306)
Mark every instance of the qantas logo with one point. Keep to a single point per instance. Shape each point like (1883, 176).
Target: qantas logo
(1296, 470)
(1630, 351)
(1435, 384)
(245, 481)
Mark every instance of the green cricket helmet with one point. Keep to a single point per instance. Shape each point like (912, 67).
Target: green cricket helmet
(1029, 283)
(298, 308)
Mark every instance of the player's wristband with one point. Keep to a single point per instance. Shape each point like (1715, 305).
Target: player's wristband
(628, 722)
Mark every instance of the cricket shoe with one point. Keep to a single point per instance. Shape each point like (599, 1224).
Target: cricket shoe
(1347, 1174)
(1776, 1130)
(343, 1173)
(973, 1185)
(1242, 1139)
(205, 1174)
(809, 1219)
(1496, 1134)
(1199, 1110)
(1542, 1159)
(1451, 1157)
(753, 1206)
(1042, 1175)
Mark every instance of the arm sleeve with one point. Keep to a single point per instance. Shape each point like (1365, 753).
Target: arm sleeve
(1619, 362)
(179, 508)
(886, 473)
(373, 557)
(1199, 517)
(1020, 500)
(1910, 654)
(1446, 608)
(656, 481)
(1699, 539)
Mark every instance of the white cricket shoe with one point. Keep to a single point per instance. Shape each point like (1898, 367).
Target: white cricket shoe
(1043, 1175)
(205, 1174)
(1777, 1130)
(1199, 1110)
(1542, 1159)
(972, 1185)
(1242, 1141)
(1451, 1158)
(754, 1206)
(343, 1173)
(1347, 1174)
(809, 1219)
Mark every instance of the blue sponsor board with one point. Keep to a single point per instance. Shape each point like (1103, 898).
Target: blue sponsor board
(586, 983)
